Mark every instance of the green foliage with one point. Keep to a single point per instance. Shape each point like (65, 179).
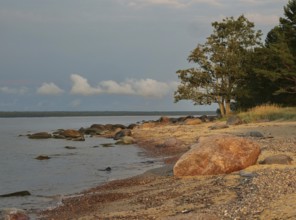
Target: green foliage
(222, 61)
(273, 75)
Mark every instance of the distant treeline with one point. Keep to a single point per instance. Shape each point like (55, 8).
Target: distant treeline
(101, 113)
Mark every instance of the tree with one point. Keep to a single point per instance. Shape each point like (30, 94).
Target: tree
(222, 62)
(288, 25)
(275, 63)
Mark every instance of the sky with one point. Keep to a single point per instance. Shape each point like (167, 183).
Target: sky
(108, 55)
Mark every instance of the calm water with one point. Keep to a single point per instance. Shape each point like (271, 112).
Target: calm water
(68, 171)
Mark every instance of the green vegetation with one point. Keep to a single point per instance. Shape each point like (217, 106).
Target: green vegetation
(233, 66)
(268, 113)
(222, 63)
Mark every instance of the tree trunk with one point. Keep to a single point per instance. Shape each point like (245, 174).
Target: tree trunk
(222, 109)
(227, 107)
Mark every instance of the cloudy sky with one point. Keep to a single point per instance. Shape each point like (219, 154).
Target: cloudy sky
(108, 54)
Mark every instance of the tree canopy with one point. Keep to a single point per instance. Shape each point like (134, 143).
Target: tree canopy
(222, 62)
(274, 65)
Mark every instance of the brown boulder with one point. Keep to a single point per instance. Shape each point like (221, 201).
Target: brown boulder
(217, 154)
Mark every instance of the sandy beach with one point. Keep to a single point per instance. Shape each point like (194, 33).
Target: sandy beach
(257, 192)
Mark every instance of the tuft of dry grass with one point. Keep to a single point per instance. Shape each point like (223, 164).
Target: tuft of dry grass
(269, 113)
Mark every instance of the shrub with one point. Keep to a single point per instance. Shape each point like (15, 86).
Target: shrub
(269, 113)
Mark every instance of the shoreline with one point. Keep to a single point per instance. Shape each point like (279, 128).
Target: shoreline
(156, 194)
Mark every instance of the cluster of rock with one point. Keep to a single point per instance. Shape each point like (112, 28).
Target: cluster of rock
(68, 134)
(186, 120)
(118, 132)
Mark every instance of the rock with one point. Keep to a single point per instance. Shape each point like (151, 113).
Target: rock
(115, 126)
(164, 120)
(70, 147)
(93, 131)
(234, 120)
(192, 121)
(106, 169)
(132, 126)
(17, 194)
(13, 214)
(148, 125)
(181, 119)
(126, 140)
(42, 157)
(218, 126)
(254, 134)
(107, 145)
(277, 159)
(217, 154)
(122, 133)
(98, 126)
(78, 139)
(69, 133)
(40, 135)
(204, 118)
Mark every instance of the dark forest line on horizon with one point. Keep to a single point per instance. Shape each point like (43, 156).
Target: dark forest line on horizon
(16, 114)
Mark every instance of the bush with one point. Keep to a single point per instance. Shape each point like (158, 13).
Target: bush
(269, 113)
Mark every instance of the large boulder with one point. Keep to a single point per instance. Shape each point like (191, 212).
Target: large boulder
(217, 154)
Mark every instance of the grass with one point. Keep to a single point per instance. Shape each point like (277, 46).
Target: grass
(269, 113)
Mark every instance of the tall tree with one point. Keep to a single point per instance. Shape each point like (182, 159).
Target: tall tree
(288, 24)
(222, 62)
(276, 61)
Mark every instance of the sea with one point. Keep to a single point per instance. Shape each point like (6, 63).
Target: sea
(68, 171)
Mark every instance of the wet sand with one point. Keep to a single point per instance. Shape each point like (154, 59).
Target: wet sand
(258, 192)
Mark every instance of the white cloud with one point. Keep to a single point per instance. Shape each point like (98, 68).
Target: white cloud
(149, 87)
(49, 89)
(82, 87)
(142, 87)
(113, 87)
(8, 90)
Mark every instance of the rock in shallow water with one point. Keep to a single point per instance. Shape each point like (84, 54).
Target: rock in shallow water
(15, 194)
(217, 154)
(42, 157)
(40, 135)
